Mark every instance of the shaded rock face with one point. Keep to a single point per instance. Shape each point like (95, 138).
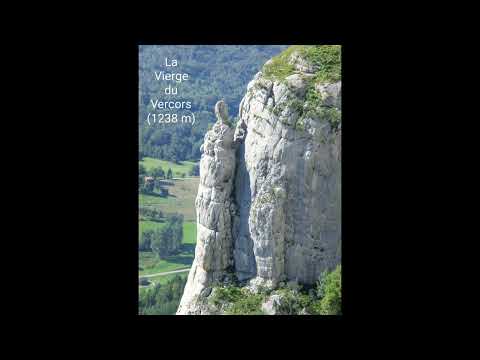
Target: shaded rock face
(268, 204)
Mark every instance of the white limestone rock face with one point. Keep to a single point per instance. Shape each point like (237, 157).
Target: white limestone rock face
(269, 199)
(288, 185)
(213, 252)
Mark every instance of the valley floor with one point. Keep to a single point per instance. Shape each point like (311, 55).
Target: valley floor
(180, 199)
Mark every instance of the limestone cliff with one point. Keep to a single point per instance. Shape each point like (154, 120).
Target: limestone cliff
(268, 204)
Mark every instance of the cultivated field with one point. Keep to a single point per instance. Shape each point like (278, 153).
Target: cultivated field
(181, 198)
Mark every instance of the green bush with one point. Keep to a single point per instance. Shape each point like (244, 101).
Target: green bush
(152, 214)
(157, 172)
(331, 303)
(325, 299)
(249, 305)
(292, 301)
(227, 294)
(144, 281)
(328, 60)
(167, 240)
(145, 240)
(329, 294)
(332, 115)
(237, 301)
(279, 67)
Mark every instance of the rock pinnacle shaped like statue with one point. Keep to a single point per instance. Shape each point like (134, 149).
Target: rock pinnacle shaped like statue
(221, 111)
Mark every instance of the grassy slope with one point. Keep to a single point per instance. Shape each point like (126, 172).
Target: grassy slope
(327, 64)
(327, 59)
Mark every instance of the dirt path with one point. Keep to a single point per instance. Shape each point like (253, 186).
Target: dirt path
(165, 273)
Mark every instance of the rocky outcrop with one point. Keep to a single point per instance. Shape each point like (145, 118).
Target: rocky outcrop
(214, 220)
(268, 203)
(271, 305)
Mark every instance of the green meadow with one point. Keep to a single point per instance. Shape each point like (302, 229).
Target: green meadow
(178, 169)
(180, 199)
(162, 279)
(165, 278)
(150, 263)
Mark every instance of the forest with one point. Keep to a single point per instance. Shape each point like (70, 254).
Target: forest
(165, 240)
(161, 299)
(214, 72)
